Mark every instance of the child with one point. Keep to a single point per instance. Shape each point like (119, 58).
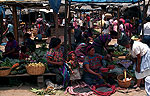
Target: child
(23, 54)
(74, 67)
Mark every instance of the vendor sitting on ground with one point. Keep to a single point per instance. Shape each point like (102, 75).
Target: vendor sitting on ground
(92, 65)
(12, 47)
(56, 63)
(29, 43)
(141, 52)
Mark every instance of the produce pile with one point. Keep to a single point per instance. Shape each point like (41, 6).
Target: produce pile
(118, 51)
(36, 64)
(19, 66)
(47, 91)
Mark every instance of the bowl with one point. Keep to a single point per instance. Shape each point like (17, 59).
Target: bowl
(111, 66)
(104, 69)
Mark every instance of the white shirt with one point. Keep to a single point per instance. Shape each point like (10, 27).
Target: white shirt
(139, 48)
(146, 29)
(80, 22)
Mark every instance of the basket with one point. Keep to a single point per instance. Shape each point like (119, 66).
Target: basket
(4, 71)
(35, 70)
(123, 83)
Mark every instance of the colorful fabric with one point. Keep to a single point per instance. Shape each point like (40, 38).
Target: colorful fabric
(65, 73)
(54, 55)
(100, 93)
(83, 85)
(80, 50)
(94, 62)
(102, 39)
(57, 56)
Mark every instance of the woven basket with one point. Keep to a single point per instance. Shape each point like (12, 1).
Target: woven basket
(35, 70)
(123, 83)
(5, 72)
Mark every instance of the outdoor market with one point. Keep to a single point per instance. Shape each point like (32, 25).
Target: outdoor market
(74, 47)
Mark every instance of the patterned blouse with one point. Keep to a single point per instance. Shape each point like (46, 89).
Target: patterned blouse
(94, 62)
(55, 55)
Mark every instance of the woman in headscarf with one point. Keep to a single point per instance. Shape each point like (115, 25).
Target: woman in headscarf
(56, 63)
(141, 53)
(101, 42)
(92, 64)
(80, 51)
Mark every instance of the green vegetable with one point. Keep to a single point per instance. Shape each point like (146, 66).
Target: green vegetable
(6, 62)
(48, 91)
(22, 71)
(22, 66)
(13, 72)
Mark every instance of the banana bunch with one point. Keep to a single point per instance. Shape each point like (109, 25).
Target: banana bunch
(36, 64)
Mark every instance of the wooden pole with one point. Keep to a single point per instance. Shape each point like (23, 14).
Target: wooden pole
(65, 30)
(15, 22)
(119, 32)
(29, 15)
(69, 31)
(56, 24)
(101, 20)
(143, 19)
(1, 28)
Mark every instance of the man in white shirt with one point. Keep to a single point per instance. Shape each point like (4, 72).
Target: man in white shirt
(146, 37)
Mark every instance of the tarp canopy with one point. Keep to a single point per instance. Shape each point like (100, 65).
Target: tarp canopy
(21, 0)
(107, 1)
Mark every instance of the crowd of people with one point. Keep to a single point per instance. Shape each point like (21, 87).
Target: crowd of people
(90, 48)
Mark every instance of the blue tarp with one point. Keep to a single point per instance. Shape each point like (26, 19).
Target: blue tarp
(1, 9)
(55, 5)
(107, 1)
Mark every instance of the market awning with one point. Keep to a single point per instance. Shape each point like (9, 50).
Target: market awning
(107, 1)
(21, 0)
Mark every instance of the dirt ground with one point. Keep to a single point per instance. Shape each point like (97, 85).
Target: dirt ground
(25, 91)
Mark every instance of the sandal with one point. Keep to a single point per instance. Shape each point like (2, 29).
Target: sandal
(135, 86)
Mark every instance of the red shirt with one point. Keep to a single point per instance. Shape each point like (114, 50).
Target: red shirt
(88, 18)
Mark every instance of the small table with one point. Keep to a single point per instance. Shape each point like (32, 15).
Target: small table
(40, 78)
